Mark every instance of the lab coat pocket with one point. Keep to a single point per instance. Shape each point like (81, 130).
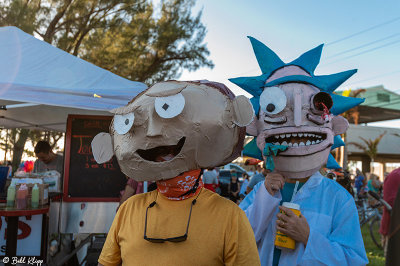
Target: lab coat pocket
(319, 222)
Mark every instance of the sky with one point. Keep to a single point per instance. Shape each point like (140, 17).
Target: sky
(357, 34)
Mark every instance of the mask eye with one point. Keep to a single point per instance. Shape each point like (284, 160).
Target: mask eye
(169, 107)
(273, 100)
(322, 100)
(123, 123)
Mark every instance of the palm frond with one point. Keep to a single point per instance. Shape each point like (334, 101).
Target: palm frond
(358, 145)
(370, 146)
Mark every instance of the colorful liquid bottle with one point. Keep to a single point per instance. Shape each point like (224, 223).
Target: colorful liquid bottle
(11, 195)
(22, 195)
(35, 196)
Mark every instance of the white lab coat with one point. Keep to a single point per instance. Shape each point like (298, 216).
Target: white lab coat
(335, 236)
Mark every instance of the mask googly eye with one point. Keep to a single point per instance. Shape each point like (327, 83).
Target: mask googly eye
(123, 123)
(273, 100)
(170, 106)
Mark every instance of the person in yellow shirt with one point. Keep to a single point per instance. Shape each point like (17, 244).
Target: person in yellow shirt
(214, 221)
(167, 134)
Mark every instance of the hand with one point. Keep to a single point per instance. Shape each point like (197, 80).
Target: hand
(293, 226)
(274, 182)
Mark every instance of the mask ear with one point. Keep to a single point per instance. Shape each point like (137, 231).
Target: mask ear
(252, 128)
(339, 125)
(243, 112)
(102, 147)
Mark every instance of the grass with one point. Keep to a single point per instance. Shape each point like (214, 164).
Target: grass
(374, 254)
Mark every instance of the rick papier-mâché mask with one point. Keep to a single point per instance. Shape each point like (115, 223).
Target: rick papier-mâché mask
(296, 111)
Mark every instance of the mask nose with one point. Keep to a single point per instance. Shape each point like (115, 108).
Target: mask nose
(297, 111)
(154, 126)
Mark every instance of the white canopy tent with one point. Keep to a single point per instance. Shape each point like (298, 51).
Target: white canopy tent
(41, 84)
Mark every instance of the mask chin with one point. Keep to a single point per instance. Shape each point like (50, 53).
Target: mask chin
(301, 166)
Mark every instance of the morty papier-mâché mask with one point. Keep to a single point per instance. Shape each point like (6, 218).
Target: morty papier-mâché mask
(174, 127)
(297, 122)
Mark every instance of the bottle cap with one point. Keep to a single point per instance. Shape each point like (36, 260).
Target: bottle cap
(291, 205)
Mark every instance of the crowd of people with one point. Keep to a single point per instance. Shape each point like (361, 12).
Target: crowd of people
(242, 183)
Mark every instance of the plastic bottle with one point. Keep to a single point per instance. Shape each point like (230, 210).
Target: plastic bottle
(35, 196)
(11, 195)
(22, 194)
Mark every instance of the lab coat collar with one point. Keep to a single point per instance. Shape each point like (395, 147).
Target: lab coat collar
(312, 183)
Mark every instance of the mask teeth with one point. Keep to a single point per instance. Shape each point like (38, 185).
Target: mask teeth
(297, 139)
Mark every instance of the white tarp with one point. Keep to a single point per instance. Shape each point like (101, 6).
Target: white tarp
(35, 72)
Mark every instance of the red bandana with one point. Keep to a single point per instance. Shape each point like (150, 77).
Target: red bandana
(175, 187)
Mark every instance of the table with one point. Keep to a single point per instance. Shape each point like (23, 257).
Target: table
(13, 215)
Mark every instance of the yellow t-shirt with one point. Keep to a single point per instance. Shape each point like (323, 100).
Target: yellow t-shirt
(219, 233)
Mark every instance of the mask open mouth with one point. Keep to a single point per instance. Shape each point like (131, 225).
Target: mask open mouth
(162, 153)
(297, 139)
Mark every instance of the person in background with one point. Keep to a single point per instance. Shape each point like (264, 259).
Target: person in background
(243, 187)
(210, 179)
(374, 184)
(216, 170)
(47, 159)
(346, 182)
(342, 177)
(234, 188)
(390, 187)
(257, 178)
(132, 187)
(393, 241)
(258, 169)
(9, 164)
(360, 182)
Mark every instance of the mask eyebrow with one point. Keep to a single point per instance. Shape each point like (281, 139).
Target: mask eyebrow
(164, 89)
(124, 109)
(161, 89)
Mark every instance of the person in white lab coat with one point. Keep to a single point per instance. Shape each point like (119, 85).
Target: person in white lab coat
(296, 126)
(329, 223)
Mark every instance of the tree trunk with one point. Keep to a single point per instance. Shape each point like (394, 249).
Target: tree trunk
(18, 148)
(6, 148)
(372, 166)
(366, 164)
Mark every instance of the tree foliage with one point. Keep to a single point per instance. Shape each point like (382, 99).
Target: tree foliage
(151, 48)
(370, 146)
(131, 38)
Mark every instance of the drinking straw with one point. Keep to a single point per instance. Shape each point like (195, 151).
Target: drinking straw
(295, 190)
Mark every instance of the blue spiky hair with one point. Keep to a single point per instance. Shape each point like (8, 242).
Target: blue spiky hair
(269, 63)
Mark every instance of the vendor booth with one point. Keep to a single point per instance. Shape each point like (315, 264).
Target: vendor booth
(43, 87)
